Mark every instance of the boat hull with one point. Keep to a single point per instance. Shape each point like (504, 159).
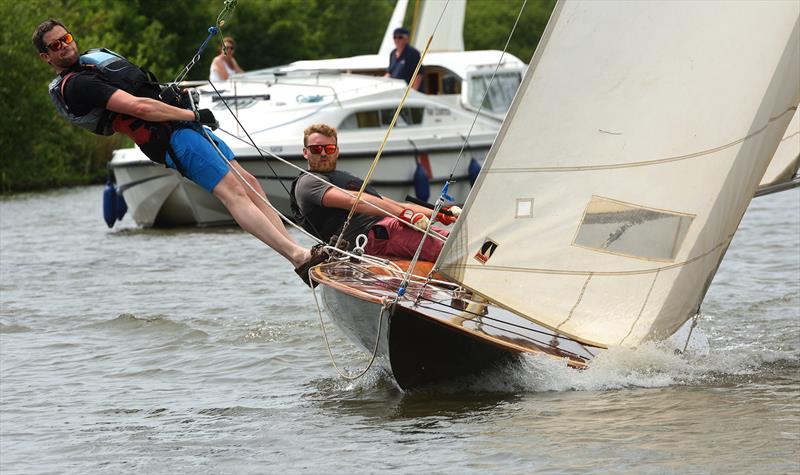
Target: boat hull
(415, 350)
(160, 197)
(433, 334)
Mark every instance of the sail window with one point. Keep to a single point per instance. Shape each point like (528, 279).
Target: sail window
(524, 208)
(622, 228)
(382, 118)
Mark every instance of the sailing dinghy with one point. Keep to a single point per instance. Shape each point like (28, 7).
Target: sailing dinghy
(632, 149)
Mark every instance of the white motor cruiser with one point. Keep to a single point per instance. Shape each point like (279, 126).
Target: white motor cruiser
(275, 105)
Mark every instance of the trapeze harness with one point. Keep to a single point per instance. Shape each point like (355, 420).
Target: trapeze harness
(151, 137)
(322, 216)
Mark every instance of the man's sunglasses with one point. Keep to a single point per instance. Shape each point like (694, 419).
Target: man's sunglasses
(61, 42)
(400, 37)
(330, 149)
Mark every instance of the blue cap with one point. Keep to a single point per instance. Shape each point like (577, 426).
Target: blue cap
(401, 31)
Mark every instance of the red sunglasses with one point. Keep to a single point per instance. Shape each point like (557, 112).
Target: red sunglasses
(61, 42)
(330, 149)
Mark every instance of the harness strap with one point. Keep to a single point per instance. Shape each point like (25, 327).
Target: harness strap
(64, 81)
(175, 161)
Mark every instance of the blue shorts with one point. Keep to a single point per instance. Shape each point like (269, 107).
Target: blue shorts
(200, 160)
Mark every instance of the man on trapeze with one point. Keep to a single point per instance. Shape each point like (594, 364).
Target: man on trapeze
(105, 93)
(322, 208)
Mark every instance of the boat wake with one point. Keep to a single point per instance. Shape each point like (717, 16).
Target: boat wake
(650, 365)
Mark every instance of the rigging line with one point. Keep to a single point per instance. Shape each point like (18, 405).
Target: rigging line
(465, 143)
(526, 337)
(229, 5)
(227, 9)
(298, 119)
(211, 32)
(644, 163)
(391, 126)
(250, 187)
(486, 91)
(252, 142)
(458, 312)
(440, 200)
(344, 375)
(246, 183)
(691, 329)
(261, 153)
(288, 193)
(585, 272)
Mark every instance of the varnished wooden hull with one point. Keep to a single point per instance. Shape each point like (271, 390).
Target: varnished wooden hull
(414, 349)
(430, 335)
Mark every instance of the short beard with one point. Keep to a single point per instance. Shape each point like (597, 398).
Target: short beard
(65, 63)
(323, 167)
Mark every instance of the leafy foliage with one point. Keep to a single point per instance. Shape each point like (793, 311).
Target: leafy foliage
(41, 150)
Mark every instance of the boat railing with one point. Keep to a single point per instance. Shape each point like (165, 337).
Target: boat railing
(303, 79)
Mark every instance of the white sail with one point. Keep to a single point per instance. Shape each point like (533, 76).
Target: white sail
(630, 153)
(396, 21)
(785, 162)
(449, 35)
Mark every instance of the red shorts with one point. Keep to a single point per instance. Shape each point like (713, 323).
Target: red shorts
(403, 241)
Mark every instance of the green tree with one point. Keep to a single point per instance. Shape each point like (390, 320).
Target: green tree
(488, 23)
(41, 150)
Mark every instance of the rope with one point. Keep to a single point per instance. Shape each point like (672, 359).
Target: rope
(227, 9)
(444, 194)
(488, 88)
(262, 151)
(351, 376)
(236, 172)
(391, 125)
(691, 329)
(252, 142)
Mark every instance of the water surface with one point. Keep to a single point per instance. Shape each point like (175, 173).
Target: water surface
(199, 351)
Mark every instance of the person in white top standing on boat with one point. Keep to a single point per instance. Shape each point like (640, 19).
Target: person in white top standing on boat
(224, 65)
(323, 208)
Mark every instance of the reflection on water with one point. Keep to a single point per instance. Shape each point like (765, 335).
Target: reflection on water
(199, 351)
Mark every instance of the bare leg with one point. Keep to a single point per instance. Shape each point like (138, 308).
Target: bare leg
(233, 195)
(257, 200)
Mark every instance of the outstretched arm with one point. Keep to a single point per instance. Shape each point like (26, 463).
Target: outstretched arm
(336, 198)
(146, 108)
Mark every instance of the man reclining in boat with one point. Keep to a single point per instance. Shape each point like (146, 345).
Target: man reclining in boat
(105, 93)
(322, 208)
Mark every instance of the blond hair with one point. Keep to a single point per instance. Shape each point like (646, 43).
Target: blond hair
(324, 129)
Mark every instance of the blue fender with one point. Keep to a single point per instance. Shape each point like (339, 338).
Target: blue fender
(422, 184)
(474, 169)
(110, 204)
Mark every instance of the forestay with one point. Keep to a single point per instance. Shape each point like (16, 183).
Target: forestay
(785, 162)
(630, 153)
